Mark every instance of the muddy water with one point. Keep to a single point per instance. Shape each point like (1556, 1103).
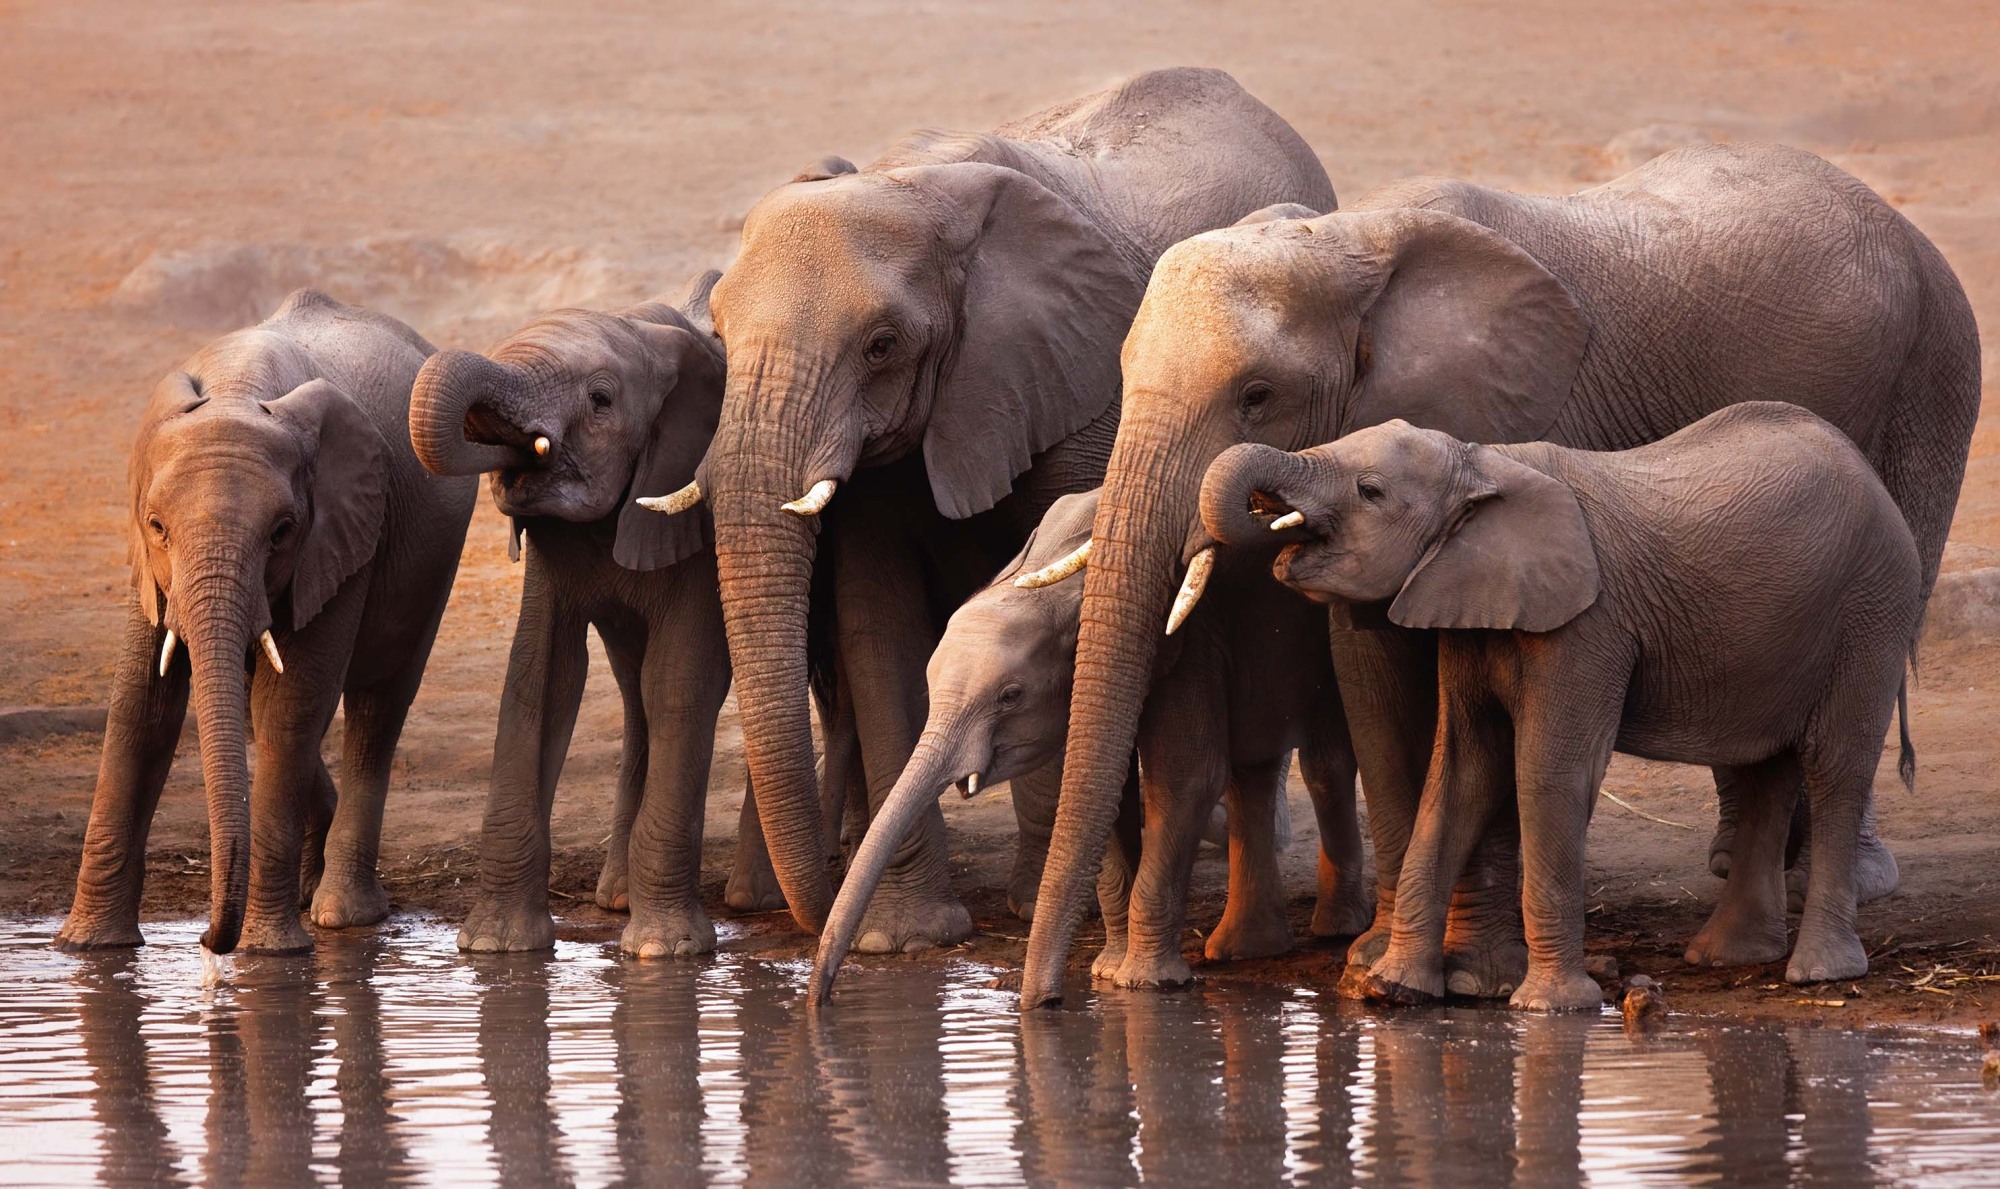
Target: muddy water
(393, 1058)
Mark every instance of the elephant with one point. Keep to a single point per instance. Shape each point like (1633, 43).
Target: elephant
(570, 414)
(1602, 320)
(936, 337)
(279, 524)
(1249, 682)
(1741, 593)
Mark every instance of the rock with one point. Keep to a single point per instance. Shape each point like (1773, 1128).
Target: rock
(1964, 606)
(1601, 966)
(1643, 1001)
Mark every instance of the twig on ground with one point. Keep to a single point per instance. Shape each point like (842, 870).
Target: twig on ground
(1615, 799)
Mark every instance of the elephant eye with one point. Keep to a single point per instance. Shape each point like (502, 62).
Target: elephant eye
(1010, 697)
(282, 531)
(600, 398)
(159, 529)
(879, 347)
(1370, 490)
(1255, 396)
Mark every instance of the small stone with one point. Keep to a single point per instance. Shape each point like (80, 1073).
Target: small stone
(1602, 966)
(1989, 1071)
(1643, 1000)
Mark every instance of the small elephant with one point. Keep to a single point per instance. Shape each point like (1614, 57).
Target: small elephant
(281, 527)
(1247, 682)
(1742, 593)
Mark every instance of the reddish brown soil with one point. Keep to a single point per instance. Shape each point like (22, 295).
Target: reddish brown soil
(173, 169)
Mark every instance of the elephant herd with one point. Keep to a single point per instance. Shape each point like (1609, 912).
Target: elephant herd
(1099, 454)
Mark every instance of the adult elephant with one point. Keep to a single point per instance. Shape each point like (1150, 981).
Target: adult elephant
(282, 528)
(1602, 320)
(936, 337)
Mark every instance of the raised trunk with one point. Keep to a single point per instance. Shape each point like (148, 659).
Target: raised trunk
(1235, 474)
(937, 761)
(214, 611)
(1143, 519)
(464, 418)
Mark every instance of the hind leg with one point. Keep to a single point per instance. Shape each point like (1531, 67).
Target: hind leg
(626, 658)
(321, 803)
(1253, 921)
(1875, 872)
(1346, 903)
(1748, 924)
(1035, 795)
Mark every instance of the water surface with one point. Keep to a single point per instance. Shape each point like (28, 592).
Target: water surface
(393, 1058)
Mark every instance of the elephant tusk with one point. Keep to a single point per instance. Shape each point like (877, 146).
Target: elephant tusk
(1292, 519)
(814, 501)
(971, 788)
(541, 447)
(674, 503)
(1057, 570)
(1191, 588)
(271, 651)
(167, 651)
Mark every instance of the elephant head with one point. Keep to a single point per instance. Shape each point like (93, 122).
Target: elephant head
(961, 310)
(248, 512)
(1287, 332)
(999, 685)
(1450, 535)
(576, 410)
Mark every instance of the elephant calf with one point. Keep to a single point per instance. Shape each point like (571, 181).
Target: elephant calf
(282, 529)
(1250, 682)
(1742, 593)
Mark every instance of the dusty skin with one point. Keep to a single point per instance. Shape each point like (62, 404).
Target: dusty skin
(174, 174)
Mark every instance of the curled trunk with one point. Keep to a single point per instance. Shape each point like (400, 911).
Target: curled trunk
(464, 415)
(216, 616)
(1235, 474)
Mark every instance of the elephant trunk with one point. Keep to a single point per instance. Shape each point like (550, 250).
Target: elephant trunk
(219, 611)
(464, 415)
(1143, 520)
(1235, 474)
(939, 759)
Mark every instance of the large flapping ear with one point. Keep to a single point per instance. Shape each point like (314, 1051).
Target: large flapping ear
(1046, 305)
(690, 370)
(1276, 211)
(171, 397)
(693, 301)
(1518, 557)
(824, 168)
(349, 495)
(1461, 330)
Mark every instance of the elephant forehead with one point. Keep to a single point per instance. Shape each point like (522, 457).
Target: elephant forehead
(1397, 448)
(846, 230)
(563, 343)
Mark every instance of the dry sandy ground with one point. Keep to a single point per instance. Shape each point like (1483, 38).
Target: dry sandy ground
(171, 170)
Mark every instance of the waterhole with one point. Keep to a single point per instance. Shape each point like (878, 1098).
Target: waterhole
(391, 1057)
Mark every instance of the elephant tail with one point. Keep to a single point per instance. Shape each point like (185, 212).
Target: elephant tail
(1906, 760)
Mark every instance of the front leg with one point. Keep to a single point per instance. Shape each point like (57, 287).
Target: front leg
(1115, 875)
(1254, 923)
(1345, 906)
(1035, 795)
(626, 656)
(140, 734)
(1183, 771)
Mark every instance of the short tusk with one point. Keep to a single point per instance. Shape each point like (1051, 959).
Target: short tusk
(1056, 571)
(1292, 519)
(1191, 588)
(675, 503)
(541, 447)
(971, 786)
(271, 651)
(814, 501)
(167, 651)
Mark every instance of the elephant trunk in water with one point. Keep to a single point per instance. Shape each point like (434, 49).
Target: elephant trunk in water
(1143, 519)
(216, 606)
(468, 415)
(1237, 473)
(940, 758)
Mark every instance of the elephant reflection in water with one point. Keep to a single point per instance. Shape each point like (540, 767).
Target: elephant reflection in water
(514, 1055)
(1762, 1081)
(136, 1147)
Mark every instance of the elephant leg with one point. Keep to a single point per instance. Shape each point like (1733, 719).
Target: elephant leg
(291, 714)
(538, 704)
(1838, 757)
(886, 638)
(1182, 775)
(753, 882)
(1035, 796)
(140, 734)
(1115, 875)
(626, 656)
(1345, 906)
(1748, 924)
(1253, 922)
(1875, 872)
(1564, 731)
(321, 805)
(1728, 797)
(350, 893)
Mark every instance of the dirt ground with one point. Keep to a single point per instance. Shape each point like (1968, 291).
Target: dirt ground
(172, 170)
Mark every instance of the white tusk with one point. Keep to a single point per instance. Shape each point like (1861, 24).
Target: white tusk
(167, 651)
(675, 503)
(1057, 570)
(1292, 519)
(271, 651)
(972, 786)
(541, 447)
(814, 501)
(1191, 588)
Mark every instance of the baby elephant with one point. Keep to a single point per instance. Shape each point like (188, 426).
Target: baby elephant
(1741, 594)
(1246, 682)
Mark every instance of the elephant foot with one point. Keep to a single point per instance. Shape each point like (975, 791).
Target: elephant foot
(753, 886)
(1346, 903)
(347, 903)
(1371, 945)
(281, 934)
(1826, 956)
(1875, 874)
(1023, 886)
(613, 887)
(1263, 933)
(1404, 981)
(1719, 848)
(311, 871)
(83, 931)
(1153, 971)
(1549, 990)
(680, 933)
(1104, 968)
(1485, 954)
(500, 927)
(909, 923)
(1734, 939)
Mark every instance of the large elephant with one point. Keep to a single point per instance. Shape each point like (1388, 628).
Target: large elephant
(1742, 593)
(1601, 320)
(1248, 683)
(936, 337)
(280, 525)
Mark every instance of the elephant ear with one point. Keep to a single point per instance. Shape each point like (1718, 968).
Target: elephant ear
(1518, 557)
(172, 396)
(693, 301)
(350, 485)
(1462, 331)
(1276, 211)
(1046, 304)
(689, 366)
(824, 169)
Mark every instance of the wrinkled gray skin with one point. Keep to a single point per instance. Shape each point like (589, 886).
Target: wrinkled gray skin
(1743, 594)
(624, 399)
(1248, 682)
(1601, 320)
(938, 334)
(273, 487)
